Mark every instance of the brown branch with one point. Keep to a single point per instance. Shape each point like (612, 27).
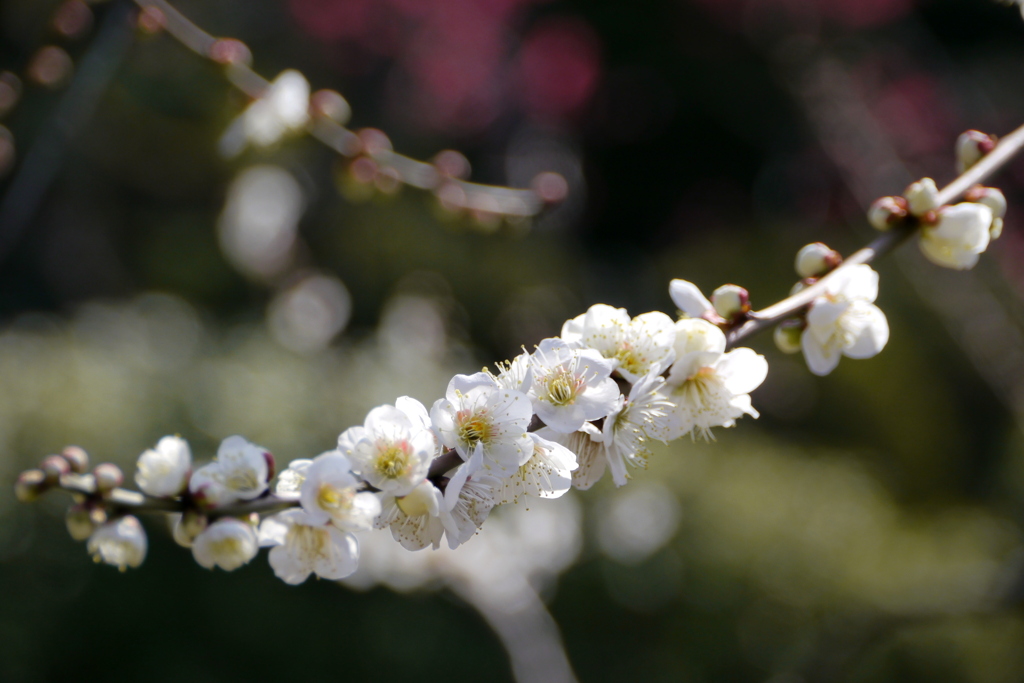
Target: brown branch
(756, 321)
(488, 199)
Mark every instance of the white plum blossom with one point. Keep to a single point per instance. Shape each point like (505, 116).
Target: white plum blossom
(289, 482)
(239, 472)
(227, 543)
(641, 417)
(922, 197)
(482, 419)
(688, 298)
(636, 346)
(587, 445)
(959, 236)
(844, 321)
(299, 548)
(392, 451)
(707, 386)
(467, 501)
(120, 542)
(330, 494)
(511, 374)
(163, 471)
(547, 474)
(569, 386)
(415, 519)
(281, 109)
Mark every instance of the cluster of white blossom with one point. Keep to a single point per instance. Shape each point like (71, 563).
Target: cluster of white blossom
(590, 400)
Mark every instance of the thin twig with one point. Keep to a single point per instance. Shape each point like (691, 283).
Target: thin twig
(492, 199)
(1007, 148)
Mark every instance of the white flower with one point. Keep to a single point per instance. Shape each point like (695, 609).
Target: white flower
(512, 373)
(959, 237)
(239, 472)
(587, 445)
(627, 431)
(468, 499)
(480, 418)
(330, 494)
(569, 386)
(227, 543)
(922, 197)
(289, 482)
(688, 298)
(709, 388)
(281, 109)
(163, 471)
(392, 451)
(547, 474)
(636, 347)
(844, 321)
(415, 518)
(300, 548)
(121, 542)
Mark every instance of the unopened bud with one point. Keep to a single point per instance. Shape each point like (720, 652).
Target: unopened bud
(971, 146)
(30, 484)
(996, 229)
(79, 522)
(731, 301)
(191, 525)
(887, 212)
(991, 197)
(331, 104)
(922, 197)
(108, 477)
(77, 458)
(787, 335)
(54, 467)
(816, 259)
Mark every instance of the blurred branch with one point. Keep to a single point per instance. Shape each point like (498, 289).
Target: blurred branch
(487, 199)
(44, 159)
(1006, 150)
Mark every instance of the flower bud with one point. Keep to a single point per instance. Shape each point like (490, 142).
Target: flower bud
(996, 229)
(731, 301)
(922, 197)
(331, 104)
(77, 458)
(54, 467)
(971, 146)
(958, 237)
(887, 212)
(121, 543)
(991, 197)
(79, 522)
(816, 259)
(800, 286)
(163, 471)
(30, 484)
(108, 477)
(787, 335)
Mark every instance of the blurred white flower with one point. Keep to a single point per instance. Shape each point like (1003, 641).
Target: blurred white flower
(415, 519)
(635, 346)
(392, 450)
(239, 472)
(479, 418)
(330, 494)
(289, 482)
(708, 387)
(922, 197)
(643, 416)
(959, 236)
(227, 543)
(163, 471)
(844, 321)
(569, 386)
(547, 474)
(121, 543)
(468, 499)
(300, 548)
(282, 108)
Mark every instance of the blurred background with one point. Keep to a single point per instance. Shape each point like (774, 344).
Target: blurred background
(866, 528)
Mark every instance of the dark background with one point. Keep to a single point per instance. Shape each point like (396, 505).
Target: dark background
(866, 528)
